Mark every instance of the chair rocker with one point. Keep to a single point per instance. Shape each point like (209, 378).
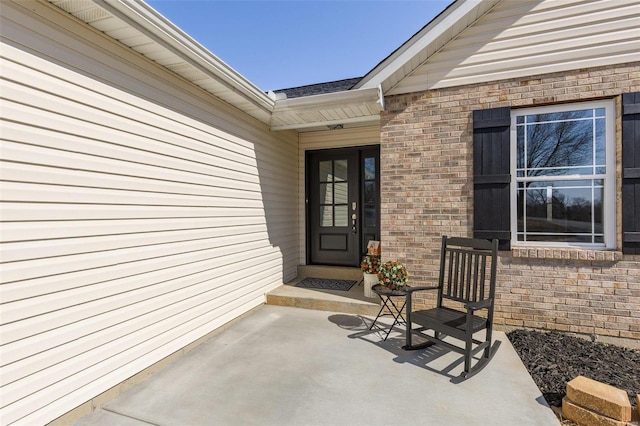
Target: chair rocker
(466, 288)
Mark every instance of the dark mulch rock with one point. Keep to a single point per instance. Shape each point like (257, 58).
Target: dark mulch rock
(554, 358)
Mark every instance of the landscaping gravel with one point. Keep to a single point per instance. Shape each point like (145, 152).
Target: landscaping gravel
(554, 358)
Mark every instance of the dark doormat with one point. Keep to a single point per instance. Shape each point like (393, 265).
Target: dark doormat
(326, 284)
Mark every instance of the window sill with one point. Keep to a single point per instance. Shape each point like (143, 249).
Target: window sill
(566, 254)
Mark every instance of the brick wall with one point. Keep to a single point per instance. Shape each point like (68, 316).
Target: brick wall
(427, 191)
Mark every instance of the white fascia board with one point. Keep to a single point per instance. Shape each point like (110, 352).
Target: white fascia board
(144, 18)
(430, 33)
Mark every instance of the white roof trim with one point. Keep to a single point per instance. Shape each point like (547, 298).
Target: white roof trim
(397, 62)
(186, 57)
(351, 106)
(144, 20)
(161, 29)
(328, 99)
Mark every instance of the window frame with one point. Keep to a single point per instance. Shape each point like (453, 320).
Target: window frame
(609, 195)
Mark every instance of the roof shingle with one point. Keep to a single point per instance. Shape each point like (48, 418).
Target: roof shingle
(319, 88)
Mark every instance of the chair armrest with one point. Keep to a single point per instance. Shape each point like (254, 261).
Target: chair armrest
(419, 288)
(482, 304)
(409, 303)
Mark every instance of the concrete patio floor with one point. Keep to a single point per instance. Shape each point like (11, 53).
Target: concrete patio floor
(290, 366)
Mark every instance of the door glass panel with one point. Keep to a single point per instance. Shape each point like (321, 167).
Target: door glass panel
(340, 171)
(326, 173)
(370, 192)
(334, 193)
(369, 168)
(326, 193)
(326, 216)
(370, 216)
(341, 193)
(342, 215)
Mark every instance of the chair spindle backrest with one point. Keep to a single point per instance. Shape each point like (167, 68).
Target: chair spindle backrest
(467, 270)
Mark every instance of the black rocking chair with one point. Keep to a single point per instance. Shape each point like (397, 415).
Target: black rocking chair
(466, 288)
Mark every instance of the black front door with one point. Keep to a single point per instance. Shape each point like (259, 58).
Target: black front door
(342, 204)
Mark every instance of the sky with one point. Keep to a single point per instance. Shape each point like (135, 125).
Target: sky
(290, 43)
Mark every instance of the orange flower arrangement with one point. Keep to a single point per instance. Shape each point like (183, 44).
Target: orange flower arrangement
(370, 264)
(393, 274)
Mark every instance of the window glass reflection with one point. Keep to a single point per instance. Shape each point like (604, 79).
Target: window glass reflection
(369, 168)
(369, 216)
(326, 171)
(556, 144)
(341, 193)
(326, 193)
(569, 211)
(370, 192)
(341, 216)
(560, 160)
(340, 170)
(555, 148)
(326, 216)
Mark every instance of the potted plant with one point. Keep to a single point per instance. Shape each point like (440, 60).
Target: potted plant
(370, 265)
(393, 274)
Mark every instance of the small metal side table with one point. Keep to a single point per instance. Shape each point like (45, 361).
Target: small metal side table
(386, 294)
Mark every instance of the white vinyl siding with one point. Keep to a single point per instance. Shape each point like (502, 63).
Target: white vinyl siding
(526, 38)
(342, 138)
(139, 213)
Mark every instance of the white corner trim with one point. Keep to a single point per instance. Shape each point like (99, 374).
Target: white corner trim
(381, 96)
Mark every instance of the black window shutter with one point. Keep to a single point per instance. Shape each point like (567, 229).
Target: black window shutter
(491, 175)
(631, 173)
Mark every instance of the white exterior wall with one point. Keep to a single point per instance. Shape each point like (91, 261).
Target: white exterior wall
(138, 213)
(525, 38)
(357, 136)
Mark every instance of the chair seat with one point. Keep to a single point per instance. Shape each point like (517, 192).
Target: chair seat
(450, 318)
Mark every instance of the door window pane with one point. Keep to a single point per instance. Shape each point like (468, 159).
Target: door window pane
(369, 168)
(342, 215)
(341, 193)
(370, 216)
(340, 171)
(333, 193)
(326, 216)
(326, 171)
(370, 192)
(326, 193)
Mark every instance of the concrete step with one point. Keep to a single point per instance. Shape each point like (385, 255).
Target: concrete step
(350, 302)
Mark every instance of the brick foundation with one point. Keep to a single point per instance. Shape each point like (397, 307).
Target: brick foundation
(427, 191)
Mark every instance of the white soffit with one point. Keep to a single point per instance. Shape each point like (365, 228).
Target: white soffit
(138, 26)
(351, 107)
(460, 15)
